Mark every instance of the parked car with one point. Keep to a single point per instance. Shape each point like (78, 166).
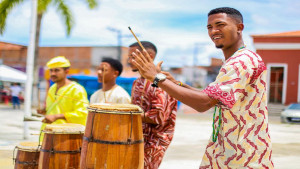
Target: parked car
(291, 114)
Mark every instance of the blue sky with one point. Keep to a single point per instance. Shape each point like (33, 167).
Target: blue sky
(175, 26)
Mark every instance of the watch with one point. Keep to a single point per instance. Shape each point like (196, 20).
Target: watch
(158, 77)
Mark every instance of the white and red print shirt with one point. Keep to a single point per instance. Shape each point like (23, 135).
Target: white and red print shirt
(243, 140)
(159, 107)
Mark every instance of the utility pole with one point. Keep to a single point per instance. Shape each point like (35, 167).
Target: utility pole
(195, 60)
(119, 39)
(197, 46)
(29, 67)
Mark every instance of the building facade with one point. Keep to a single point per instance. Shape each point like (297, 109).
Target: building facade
(281, 54)
(84, 59)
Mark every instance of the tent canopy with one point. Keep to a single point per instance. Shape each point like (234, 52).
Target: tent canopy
(10, 74)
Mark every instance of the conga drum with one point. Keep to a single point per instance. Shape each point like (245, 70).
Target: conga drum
(113, 137)
(61, 146)
(27, 155)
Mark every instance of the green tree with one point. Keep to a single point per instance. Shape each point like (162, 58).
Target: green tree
(61, 6)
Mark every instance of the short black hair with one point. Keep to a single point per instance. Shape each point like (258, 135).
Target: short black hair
(114, 63)
(146, 44)
(234, 13)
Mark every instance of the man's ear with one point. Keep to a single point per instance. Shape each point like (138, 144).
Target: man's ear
(151, 54)
(116, 73)
(240, 28)
(67, 71)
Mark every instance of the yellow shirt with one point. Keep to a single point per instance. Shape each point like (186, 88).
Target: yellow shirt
(70, 100)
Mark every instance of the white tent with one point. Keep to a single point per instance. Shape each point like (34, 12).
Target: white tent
(10, 74)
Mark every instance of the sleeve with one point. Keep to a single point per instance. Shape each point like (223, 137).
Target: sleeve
(158, 107)
(231, 81)
(124, 97)
(93, 98)
(79, 113)
(125, 100)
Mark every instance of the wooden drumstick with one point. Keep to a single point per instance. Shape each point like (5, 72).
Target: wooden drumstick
(136, 39)
(103, 72)
(146, 81)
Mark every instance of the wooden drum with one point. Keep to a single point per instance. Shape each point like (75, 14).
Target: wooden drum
(113, 137)
(61, 146)
(27, 155)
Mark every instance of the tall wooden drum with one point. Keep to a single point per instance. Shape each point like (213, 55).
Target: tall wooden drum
(113, 138)
(27, 155)
(61, 146)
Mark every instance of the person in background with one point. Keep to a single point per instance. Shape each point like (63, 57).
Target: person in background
(66, 100)
(159, 112)
(15, 91)
(108, 71)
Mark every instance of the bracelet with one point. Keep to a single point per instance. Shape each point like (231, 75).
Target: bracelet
(179, 83)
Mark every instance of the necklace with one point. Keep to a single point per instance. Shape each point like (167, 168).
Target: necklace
(110, 93)
(216, 133)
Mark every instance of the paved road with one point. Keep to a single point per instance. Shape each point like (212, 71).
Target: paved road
(186, 150)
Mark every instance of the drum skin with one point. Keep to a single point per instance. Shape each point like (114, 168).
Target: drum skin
(66, 151)
(114, 151)
(27, 159)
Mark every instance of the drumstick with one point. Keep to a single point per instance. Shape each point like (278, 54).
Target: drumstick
(103, 82)
(39, 98)
(136, 39)
(146, 81)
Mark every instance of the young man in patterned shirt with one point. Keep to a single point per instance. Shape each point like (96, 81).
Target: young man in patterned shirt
(159, 112)
(240, 136)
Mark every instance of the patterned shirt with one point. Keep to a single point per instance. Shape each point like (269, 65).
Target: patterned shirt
(243, 140)
(161, 108)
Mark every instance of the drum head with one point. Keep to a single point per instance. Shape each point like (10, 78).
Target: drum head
(67, 128)
(114, 108)
(29, 146)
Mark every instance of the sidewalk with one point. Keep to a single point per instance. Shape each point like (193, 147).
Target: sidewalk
(186, 150)
(11, 134)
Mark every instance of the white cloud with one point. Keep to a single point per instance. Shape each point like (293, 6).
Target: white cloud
(173, 25)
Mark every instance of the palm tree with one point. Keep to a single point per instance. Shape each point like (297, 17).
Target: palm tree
(7, 5)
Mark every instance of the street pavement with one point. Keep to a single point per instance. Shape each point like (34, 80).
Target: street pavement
(186, 150)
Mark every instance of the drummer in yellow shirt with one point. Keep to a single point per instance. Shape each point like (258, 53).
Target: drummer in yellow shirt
(66, 100)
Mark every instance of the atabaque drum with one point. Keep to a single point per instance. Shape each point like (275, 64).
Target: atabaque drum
(113, 137)
(61, 146)
(27, 155)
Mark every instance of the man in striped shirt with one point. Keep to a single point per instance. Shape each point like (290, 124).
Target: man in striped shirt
(159, 113)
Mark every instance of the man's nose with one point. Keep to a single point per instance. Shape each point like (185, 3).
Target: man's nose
(214, 31)
(52, 73)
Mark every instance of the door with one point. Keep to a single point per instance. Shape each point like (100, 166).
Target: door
(276, 84)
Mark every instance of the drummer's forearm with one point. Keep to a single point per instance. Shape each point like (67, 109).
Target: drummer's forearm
(60, 116)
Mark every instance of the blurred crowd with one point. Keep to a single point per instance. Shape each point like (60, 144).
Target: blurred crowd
(12, 94)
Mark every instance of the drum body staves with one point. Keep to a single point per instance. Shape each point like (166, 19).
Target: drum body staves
(27, 155)
(113, 139)
(61, 147)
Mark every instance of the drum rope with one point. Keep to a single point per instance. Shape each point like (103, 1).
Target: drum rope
(129, 139)
(91, 135)
(62, 152)
(26, 162)
(14, 158)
